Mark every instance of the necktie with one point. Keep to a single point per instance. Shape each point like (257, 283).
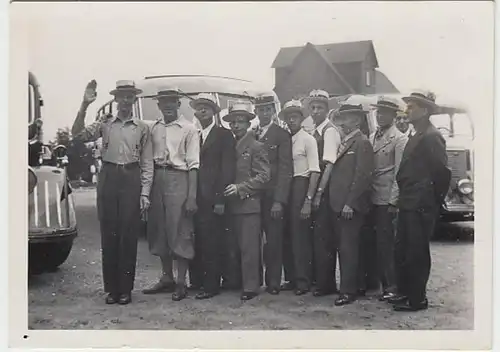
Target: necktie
(201, 139)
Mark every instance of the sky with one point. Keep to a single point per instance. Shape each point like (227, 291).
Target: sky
(446, 47)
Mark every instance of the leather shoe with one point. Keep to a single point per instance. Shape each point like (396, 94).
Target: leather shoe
(160, 287)
(111, 298)
(362, 293)
(206, 295)
(398, 299)
(272, 291)
(344, 299)
(287, 286)
(411, 307)
(301, 291)
(386, 296)
(180, 293)
(320, 292)
(246, 296)
(125, 298)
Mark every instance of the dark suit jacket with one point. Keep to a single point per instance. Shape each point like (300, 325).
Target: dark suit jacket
(252, 174)
(423, 177)
(350, 180)
(278, 144)
(217, 166)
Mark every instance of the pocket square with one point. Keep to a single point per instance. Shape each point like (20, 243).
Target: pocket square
(350, 152)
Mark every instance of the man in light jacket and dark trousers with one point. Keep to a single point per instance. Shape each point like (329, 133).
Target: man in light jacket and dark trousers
(377, 237)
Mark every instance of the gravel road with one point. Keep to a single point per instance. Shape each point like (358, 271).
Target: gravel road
(72, 297)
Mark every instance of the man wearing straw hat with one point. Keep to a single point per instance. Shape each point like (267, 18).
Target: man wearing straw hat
(278, 145)
(388, 145)
(327, 138)
(176, 153)
(423, 179)
(349, 189)
(298, 244)
(244, 196)
(217, 167)
(123, 187)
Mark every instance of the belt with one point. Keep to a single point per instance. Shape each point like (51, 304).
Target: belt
(164, 167)
(132, 165)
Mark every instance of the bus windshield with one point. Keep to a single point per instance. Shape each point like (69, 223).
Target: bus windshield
(461, 125)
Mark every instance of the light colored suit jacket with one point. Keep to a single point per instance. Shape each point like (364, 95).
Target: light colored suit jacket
(388, 152)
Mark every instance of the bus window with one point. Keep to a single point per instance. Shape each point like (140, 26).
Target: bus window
(31, 103)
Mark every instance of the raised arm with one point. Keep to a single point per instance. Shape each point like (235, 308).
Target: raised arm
(79, 131)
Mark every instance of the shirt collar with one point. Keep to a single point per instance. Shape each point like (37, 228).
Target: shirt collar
(134, 120)
(178, 121)
(322, 126)
(352, 134)
(209, 127)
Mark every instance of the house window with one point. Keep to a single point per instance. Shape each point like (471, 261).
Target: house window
(368, 78)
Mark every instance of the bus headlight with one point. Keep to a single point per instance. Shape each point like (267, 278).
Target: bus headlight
(465, 186)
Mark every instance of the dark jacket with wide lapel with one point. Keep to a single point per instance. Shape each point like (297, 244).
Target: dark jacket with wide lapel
(278, 144)
(350, 180)
(423, 176)
(252, 174)
(217, 166)
(388, 151)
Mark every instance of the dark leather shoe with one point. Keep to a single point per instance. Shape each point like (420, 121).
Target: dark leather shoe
(321, 292)
(287, 286)
(125, 298)
(342, 300)
(246, 296)
(206, 295)
(398, 299)
(112, 298)
(362, 293)
(180, 293)
(411, 307)
(386, 296)
(272, 291)
(160, 287)
(301, 291)
(195, 287)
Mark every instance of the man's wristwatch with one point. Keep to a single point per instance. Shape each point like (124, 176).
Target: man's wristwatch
(309, 198)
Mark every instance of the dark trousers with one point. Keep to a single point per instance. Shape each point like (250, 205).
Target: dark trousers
(412, 252)
(273, 248)
(297, 240)
(325, 246)
(209, 229)
(196, 264)
(348, 232)
(376, 256)
(118, 194)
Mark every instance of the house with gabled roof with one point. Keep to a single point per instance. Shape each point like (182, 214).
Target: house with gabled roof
(338, 68)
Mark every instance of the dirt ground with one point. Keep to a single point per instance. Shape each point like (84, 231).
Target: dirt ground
(72, 297)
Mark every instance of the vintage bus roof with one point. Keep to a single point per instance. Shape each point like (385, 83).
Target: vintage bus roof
(194, 84)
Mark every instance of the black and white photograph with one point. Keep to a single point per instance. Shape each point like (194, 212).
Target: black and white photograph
(288, 168)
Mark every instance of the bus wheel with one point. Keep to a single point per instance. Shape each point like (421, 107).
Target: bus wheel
(45, 257)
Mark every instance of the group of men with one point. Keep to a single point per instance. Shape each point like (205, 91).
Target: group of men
(213, 197)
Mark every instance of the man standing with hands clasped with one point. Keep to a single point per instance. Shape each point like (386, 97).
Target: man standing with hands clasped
(176, 153)
(123, 187)
(423, 179)
(252, 174)
(349, 189)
